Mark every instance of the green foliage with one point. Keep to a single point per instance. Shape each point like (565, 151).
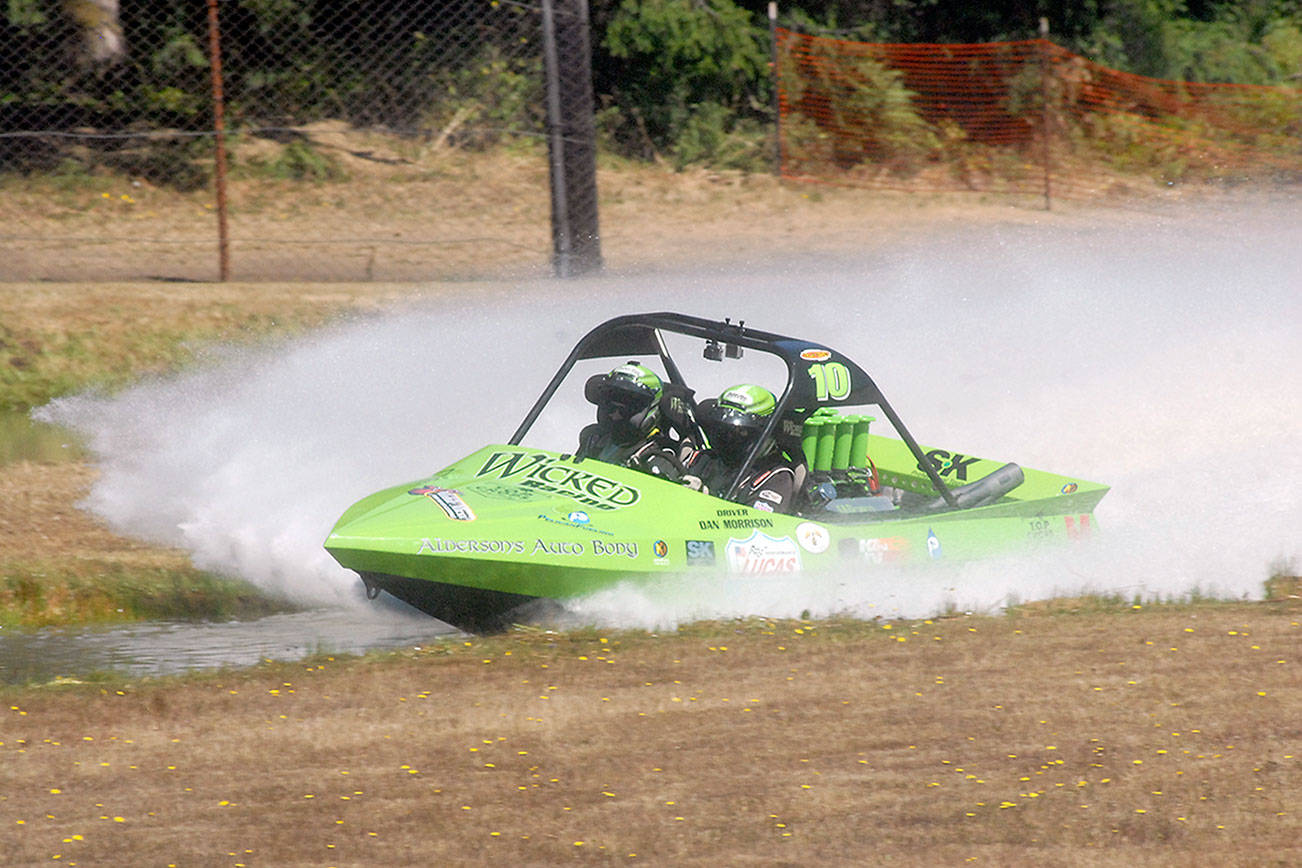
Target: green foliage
(184, 165)
(1126, 143)
(683, 80)
(1135, 35)
(714, 135)
(478, 103)
(1257, 42)
(1285, 581)
(852, 111)
(690, 79)
(179, 53)
(864, 29)
(298, 160)
(26, 13)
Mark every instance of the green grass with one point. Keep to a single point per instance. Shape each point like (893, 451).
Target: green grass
(60, 339)
(44, 594)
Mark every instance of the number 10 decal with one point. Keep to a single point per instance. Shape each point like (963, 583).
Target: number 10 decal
(831, 381)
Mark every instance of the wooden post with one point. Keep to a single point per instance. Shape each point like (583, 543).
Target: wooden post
(1044, 108)
(214, 45)
(777, 102)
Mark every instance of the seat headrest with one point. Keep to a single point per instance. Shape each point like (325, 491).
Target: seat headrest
(592, 388)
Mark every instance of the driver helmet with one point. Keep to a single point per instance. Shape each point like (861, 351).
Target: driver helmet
(734, 421)
(628, 401)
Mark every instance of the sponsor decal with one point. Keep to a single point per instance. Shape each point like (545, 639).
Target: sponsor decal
(578, 519)
(1039, 529)
(766, 507)
(661, 551)
(813, 355)
(435, 545)
(541, 472)
(1070, 488)
(933, 545)
(614, 549)
(1077, 529)
(876, 550)
(813, 538)
(761, 553)
(947, 464)
(449, 500)
(576, 525)
(498, 491)
(700, 553)
(560, 547)
(771, 495)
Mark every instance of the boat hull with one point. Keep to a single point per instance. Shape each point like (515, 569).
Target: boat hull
(473, 610)
(476, 543)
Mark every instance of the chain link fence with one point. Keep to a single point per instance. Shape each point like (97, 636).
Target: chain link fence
(440, 139)
(362, 137)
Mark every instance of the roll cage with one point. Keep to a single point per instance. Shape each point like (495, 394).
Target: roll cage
(817, 375)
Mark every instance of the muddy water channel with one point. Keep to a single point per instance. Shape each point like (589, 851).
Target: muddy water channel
(168, 648)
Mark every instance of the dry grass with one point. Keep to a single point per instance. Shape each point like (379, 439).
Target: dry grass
(61, 337)
(58, 565)
(407, 213)
(1158, 736)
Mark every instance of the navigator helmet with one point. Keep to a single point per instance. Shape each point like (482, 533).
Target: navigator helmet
(628, 401)
(734, 420)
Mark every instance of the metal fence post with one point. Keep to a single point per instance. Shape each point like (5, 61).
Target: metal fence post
(571, 138)
(219, 130)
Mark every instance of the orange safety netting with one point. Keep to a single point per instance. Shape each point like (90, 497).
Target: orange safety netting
(1018, 117)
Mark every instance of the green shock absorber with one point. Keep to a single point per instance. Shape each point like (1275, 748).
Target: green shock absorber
(825, 432)
(809, 439)
(859, 445)
(844, 439)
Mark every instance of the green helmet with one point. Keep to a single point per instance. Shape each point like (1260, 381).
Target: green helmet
(639, 376)
(737, 418)
(627, 399)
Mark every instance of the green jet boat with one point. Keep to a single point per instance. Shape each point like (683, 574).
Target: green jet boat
(510, 528)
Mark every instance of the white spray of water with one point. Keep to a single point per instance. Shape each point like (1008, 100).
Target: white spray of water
(1158, 355)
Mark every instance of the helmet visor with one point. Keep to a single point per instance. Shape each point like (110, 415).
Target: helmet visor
(731, 431)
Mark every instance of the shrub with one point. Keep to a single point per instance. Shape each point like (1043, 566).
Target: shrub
(690, 80)
(850, 111)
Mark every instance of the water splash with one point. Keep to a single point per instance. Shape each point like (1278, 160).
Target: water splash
(1157, 354)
